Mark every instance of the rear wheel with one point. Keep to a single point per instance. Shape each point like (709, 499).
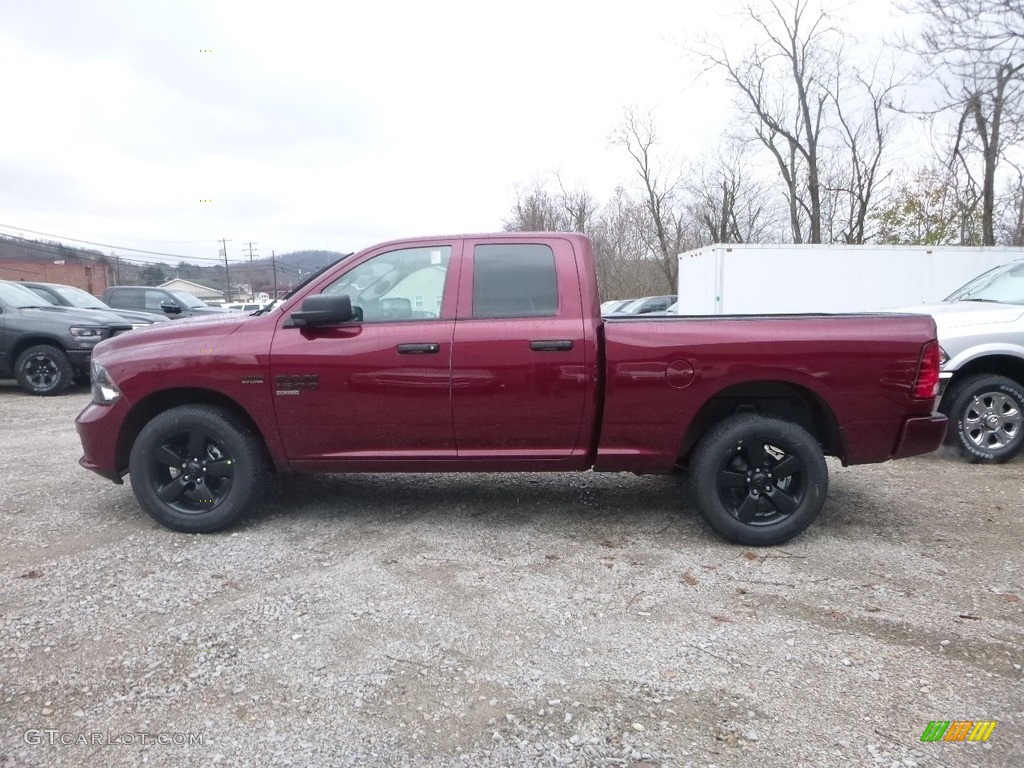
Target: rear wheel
(196, 468)
(44, 370)
(758, 480)
(986, 418)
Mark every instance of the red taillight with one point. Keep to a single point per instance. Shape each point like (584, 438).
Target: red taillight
(926, 385)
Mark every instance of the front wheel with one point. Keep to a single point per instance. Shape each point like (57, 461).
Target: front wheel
(758, 480)
(195, 468)
(986, 418)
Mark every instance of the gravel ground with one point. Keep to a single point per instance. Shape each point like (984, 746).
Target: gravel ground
(502, 620)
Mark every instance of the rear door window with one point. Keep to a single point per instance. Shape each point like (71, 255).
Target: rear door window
(514, 280)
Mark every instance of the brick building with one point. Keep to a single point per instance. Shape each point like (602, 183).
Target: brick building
(90, 277)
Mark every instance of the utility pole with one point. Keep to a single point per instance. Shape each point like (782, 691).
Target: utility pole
(227, 272)
(273, 263)
(252, 285)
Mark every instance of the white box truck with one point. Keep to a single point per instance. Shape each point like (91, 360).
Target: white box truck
(744, 279)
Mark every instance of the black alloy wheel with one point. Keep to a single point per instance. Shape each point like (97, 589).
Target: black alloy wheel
(759, 480)
(196, 468)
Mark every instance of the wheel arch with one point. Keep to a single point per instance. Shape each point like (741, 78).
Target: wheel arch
(1010, 366)
(782, 399)
(33, 340)
(163, 400)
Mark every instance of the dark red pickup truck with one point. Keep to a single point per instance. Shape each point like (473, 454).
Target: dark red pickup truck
(488, 353)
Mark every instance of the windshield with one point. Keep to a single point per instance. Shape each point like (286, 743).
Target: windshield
(187, 299)
(20, 297)
(76, 297)
(1003, 284)
(276, 303)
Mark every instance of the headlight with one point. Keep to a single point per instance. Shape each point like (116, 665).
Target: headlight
(104, 390)
(87, 333)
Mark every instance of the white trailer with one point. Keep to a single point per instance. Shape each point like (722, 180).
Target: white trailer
(747, 279)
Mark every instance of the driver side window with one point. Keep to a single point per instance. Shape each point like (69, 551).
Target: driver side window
(397, 285)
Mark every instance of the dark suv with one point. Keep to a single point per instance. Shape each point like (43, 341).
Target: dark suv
(45, 347)
(165, 302)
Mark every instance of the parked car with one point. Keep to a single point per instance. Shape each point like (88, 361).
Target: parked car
(250, 307)
(46, 347)
(981, 334)
(614, 306)
(645, 306)
(163, 302)
(488, 353)
(69, 296)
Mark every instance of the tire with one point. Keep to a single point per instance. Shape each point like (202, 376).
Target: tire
(44, 370)
(223, 468)
(986, 419)
(758, 480)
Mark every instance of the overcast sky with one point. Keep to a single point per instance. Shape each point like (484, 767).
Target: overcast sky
(331, 125)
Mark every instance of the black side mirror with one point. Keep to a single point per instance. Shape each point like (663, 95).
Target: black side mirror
(170, 308)
(323, 309)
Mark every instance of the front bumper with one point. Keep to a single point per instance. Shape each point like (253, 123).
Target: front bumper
(99, 427)
(922, 434)
(80, 359)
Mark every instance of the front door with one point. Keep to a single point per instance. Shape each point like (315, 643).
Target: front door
(379, 387)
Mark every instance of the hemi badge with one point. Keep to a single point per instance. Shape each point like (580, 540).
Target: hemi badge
(253, 379)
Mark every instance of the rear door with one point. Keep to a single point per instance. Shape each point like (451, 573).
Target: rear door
(519, 375)
(379, 388)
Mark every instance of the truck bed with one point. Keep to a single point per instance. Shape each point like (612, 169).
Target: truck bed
(853, 373)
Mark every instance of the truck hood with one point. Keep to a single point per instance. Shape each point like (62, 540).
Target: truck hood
(73, 315)
(138, 318)
(962, 314)
(220, 324)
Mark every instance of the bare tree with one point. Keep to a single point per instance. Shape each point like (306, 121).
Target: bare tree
(727, 202)
(667, 233)
(579, 208)
(825, 123)
(783, 85)
(535, 209)
(625, 268)
(865, 122)
(976, 50)
(1010, 219)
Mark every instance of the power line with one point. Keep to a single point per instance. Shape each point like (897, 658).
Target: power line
(43, 247)
(52, 249)
(106, 245)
